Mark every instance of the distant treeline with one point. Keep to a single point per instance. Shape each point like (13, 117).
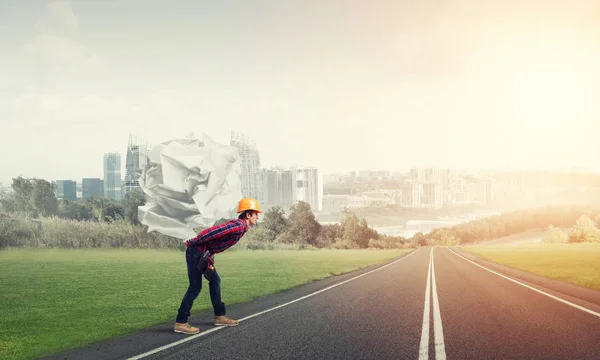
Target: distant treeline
(32, 216)
(561, 216)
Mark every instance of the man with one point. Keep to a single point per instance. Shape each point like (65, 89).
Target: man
(215, 239)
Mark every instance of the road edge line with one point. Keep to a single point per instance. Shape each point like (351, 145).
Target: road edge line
(579, 307)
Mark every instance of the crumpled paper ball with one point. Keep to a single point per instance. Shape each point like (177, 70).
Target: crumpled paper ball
(189, 183)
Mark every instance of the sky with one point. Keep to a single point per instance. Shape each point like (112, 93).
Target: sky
(337, 84)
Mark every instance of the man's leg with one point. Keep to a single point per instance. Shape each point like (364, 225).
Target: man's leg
(192, 256)
(214, 286)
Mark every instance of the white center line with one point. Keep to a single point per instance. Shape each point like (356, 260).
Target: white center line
(438, 330)
(440, 348)
(424, 347)
(192, 337)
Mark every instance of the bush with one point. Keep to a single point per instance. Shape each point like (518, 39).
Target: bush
(322, 242)
(584, 230)
(378, 244)
(256, 238)
(18, 232)
(554, 236)
(65, 233)
(345, 244)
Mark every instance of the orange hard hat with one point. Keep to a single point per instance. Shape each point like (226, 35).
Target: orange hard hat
(248, 204)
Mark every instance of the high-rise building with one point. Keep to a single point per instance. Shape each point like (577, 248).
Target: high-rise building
(272, 187)
(66, 189)
(112, 176)
(307, 187)
(412, 192)
(478, 192)
(288, 188)
(417, 174)
(92, 187)
(137, 157)
(432, 195)
(79, 189)
(250, 164)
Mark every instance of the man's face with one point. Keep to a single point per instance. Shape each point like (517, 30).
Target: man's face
(252, 219)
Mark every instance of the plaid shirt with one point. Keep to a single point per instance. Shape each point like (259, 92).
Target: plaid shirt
(221, 237)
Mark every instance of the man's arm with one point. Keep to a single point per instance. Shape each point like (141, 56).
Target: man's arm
(214, 232)
(205, 236)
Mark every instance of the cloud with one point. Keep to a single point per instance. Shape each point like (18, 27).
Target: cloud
(55, 58)
(4, 82)
(55, 78)
(61, 16)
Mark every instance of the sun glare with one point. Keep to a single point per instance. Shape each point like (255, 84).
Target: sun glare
(550, 97)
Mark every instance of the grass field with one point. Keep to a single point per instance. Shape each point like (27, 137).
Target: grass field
(55, 299)
(574, 263)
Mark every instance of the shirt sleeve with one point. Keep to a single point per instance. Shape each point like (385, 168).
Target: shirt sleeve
(206, 235)
(215, 232)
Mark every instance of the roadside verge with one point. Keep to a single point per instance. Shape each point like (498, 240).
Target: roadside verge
(576, 291)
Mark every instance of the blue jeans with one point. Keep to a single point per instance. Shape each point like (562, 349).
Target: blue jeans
(192, 256)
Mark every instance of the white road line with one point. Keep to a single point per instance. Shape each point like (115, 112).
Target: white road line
(532, 288)
(424, 347)
(440, 347)
(438, 330)
(192, 337)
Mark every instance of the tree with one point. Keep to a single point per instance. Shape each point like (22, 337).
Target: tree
(106, 210)
(34, 196)
(7, 201)
(351, 227)
(365, 234)
(43, 197)
(275, 222)
(254, 239)
(303, 225)
(357, 231)
(419, 239)
(22, 194)
(75, 210)
(332, 232)
(133, 200)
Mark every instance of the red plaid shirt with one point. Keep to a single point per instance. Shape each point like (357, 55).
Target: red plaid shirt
(221, 237)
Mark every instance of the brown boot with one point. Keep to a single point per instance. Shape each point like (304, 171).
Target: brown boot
(185, 329)
(225, 321)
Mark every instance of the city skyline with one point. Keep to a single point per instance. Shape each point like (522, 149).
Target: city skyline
(98, 173)
(338, 86)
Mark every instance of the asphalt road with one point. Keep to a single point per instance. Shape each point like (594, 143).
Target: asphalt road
(434, 303)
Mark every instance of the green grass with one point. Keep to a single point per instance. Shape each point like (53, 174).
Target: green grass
(56, 299)
(574, 263)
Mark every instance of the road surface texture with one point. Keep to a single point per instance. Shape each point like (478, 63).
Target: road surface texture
(434, 303)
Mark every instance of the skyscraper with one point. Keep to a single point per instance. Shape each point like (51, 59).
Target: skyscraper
(272, 187)
(432, 195)
(112, 176)
(288, 188)
(250, 164)
(137, 156)
(307, 187)
(92, 188)
(66, 189)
